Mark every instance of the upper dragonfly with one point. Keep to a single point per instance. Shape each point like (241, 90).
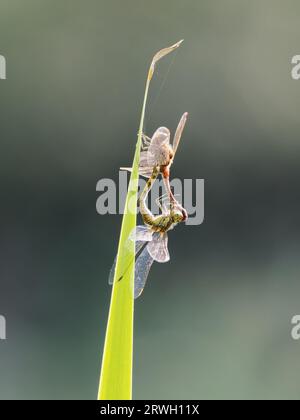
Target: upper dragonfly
(157, 152)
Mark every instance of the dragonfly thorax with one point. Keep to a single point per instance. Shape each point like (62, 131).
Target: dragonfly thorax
(165, 155)
(177, 216)
(167, 161)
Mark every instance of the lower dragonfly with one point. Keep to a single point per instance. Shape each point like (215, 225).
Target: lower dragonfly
(152, 239)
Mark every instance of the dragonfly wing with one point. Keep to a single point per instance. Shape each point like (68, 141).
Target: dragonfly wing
(112, 272)
(145, 172)
(146, 164)
(144, 159)
(138, 247)
(158, 248)
(142, 268)
(160, 138)
(140, 234)
(152, 157)
(178, 132)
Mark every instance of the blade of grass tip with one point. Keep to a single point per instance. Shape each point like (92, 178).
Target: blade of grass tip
(116, 370)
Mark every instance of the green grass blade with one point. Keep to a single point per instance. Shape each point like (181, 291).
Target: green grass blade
(116, 371)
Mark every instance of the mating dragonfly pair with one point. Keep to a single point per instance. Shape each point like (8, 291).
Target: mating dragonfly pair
(151, 240)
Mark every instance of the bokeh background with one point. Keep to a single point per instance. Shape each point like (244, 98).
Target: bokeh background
(216, 321)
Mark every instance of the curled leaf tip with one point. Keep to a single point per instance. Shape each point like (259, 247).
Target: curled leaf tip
(160, 54)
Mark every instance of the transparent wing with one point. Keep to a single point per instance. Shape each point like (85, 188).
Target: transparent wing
(158, 248)
(152, 156)
(138, 247)
(112, 272)
(141, 235)
(142, 268)
(145, 172)
(144, 159)
(160, 138)
(178, 132)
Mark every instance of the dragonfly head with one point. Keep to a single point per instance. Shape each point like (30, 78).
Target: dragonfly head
(179, 215)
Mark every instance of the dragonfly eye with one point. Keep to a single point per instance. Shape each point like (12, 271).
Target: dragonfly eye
(178, 217)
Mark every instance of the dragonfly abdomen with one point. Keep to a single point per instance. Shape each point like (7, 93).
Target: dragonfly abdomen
(146, 213)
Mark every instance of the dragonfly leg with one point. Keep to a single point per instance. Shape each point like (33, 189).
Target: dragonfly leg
(163, 196)
(164, 203)
(146, 142)
(146, 139)
(161, 205)
(144, 147)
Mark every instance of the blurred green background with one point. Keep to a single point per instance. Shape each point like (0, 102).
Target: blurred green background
(215, 321)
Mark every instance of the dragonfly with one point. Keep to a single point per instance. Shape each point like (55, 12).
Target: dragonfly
(158, 153)
(151, 241)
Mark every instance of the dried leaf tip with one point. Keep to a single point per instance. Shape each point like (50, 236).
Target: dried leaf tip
(160, 54)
